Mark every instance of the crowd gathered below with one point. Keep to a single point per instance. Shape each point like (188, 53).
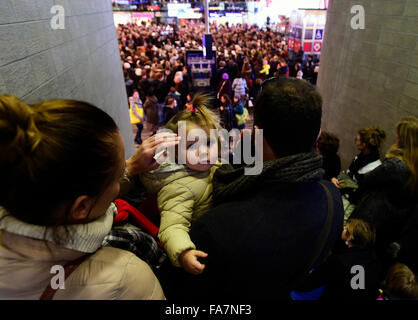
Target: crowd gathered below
(148, 229)
(155, 70)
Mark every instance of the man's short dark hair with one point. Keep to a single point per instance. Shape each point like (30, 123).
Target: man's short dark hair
(328, 143)
(289, 110)
(169, 101)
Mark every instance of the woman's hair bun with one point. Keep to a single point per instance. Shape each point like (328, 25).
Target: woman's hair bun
(18, 132)
(377, 136)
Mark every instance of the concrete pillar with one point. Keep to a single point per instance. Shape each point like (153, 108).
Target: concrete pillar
(79, 62)
(369, 76)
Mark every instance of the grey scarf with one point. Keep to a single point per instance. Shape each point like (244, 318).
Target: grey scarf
(228, 183)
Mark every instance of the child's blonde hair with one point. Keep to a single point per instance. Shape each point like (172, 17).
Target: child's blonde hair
(200, 115)
(406, 148)
(363, 233)
(402, 282)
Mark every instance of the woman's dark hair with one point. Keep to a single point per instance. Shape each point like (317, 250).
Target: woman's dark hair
(169, 101)
(50, 154)
(227, 99)
(373, 137)
(328, 143)
(289, 111)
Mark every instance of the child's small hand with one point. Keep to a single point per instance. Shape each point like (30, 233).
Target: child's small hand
(336, 182)
(188, 260)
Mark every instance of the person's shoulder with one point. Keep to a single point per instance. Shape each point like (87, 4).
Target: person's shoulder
(228, 213)
(112, 273)
(112, 263)
(335, 193)
(395, 164)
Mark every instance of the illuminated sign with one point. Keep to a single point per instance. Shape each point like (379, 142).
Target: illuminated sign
(233, 14)
(178, 6)
(216, 14)
(182, 11)
(122, 2)
(317, 47)
(142, 15)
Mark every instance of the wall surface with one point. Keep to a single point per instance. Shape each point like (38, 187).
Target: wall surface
(79, 62)
(369, 76)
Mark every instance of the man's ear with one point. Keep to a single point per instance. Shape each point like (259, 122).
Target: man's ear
(80, 209)
(268, 153)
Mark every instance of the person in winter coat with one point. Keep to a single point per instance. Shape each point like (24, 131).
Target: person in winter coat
(336, 273)
(369, 141)
(169, 110)
(408, 243)
(151, 111)
(284, 69)
(265, 71)
(184, 192)
(224, 87)
(328, 145)
(136, 114)
(390, 190)
(239, 86)
(217, 78)
(262, 234)
(226, 113)
(62, 163)
(238, 109)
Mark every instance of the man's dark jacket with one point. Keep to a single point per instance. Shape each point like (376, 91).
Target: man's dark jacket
(260, 242)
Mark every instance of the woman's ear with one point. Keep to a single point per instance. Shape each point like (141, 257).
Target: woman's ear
(80, 209)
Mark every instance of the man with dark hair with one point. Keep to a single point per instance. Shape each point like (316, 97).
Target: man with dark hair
(289, 112)
(266, 232)
(327, 146)
(169, 110)
(217, 77)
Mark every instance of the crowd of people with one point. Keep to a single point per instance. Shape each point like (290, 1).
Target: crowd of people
(145, 229)
(154, 65)
(379, 194)
(378, 206)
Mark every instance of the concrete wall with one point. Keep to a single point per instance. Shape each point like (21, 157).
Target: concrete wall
(79, 62)
(369, 76)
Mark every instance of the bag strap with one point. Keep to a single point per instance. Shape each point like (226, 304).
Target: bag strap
(221, 89)
(69, 268)
(322, 237)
